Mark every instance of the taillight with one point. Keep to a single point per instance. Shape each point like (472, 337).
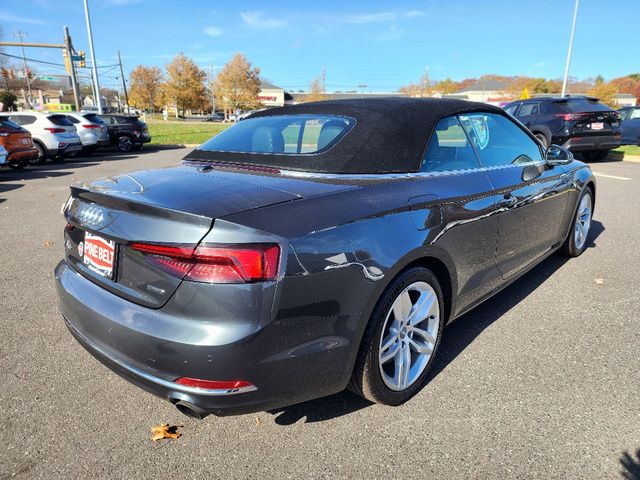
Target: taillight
(55, 130)
(214, 263)
(570, 116)
(90, 126)
(231, 385)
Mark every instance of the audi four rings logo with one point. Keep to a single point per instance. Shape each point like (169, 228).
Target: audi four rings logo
(90, 215)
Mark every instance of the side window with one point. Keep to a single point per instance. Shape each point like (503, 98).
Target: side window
(529, 110)
(23, 119)
(511, 109)
(635, 113)
(624, 114)
(449, 149)
(499, 141)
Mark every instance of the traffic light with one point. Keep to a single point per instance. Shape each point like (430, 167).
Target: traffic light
(29, 74)
(82, 63)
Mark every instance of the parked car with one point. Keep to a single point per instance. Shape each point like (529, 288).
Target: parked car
(630, 120)
(53, 135)
(313, 247)
(3, 155)
(92, 131)
(126, 132)
(17, 144)
(581, 124)
(216, 117)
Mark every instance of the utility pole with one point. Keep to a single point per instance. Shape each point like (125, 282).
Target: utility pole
(72, 68)
(124, 85)
(213, 94)
(566, 67)
(20, 34)
(94, 65)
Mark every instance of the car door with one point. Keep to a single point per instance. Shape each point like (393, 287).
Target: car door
(452, 173)
(529, 113)
(631, 127)
(532, 195)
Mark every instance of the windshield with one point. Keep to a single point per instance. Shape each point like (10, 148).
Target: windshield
(283, 135)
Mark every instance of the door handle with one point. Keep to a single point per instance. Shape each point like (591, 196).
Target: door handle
(508, 201)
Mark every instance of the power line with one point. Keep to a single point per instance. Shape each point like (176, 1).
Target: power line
(33, 60)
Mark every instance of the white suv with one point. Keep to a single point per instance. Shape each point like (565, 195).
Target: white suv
(53, 134)
(92, 131)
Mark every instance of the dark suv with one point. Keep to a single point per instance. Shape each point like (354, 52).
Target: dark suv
(579, 123)
(126, 132)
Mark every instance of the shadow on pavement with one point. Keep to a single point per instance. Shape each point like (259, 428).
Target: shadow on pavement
(457, 336)
(630, 466)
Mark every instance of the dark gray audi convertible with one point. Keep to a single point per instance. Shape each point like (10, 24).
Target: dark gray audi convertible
(312, 248)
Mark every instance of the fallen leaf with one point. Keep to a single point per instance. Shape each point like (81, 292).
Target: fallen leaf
(163, 431)
(599, 281)
(47, 243)
(258, 421)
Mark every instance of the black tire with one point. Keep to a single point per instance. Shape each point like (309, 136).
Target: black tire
(570, 248)
(366, 379)
(124, 143)
(17, 166)
(42, 155)
(543, 139)
(595, 155)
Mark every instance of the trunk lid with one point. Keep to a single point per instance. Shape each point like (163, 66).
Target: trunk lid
(175, 206)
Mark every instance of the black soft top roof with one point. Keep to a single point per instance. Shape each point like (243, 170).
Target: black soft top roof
(390, 135)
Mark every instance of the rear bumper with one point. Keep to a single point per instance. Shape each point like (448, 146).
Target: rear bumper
(22, 155)
(152, 348)
(599, 142)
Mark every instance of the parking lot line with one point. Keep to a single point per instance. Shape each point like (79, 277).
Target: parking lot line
(598, 174)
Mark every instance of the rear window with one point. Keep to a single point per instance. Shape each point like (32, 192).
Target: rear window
(60, 120)
(9, 125)
(92, 117)
(283, 135)
(577, 105)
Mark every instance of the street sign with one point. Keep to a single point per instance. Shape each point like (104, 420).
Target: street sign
(47, 78)
(76, 58)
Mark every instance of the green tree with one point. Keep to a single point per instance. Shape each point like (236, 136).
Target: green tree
(8, 100)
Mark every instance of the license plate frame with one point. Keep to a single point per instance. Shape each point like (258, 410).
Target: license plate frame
(99, 255)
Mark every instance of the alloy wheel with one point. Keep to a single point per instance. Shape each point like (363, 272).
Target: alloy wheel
(409, 336)
(583, 221)
(125, 144)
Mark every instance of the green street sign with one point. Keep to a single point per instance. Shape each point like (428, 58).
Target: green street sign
(48, 78)
(76, 58)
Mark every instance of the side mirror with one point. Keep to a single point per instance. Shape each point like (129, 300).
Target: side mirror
(557, 155)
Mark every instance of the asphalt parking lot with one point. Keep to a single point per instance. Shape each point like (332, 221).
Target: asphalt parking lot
(542, 381)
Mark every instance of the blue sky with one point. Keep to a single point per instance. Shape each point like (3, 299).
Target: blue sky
(383, 45)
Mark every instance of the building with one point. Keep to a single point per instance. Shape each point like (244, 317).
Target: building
(626, 100)
(301, 97)
(271, 95)
(485, 90)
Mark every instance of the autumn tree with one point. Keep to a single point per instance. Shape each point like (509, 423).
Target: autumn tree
(185, 84)
(605, 92)
(237, 86)
(628, 84)
(446, 86)
(424, 87)
(145, 87)
(317, 89)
